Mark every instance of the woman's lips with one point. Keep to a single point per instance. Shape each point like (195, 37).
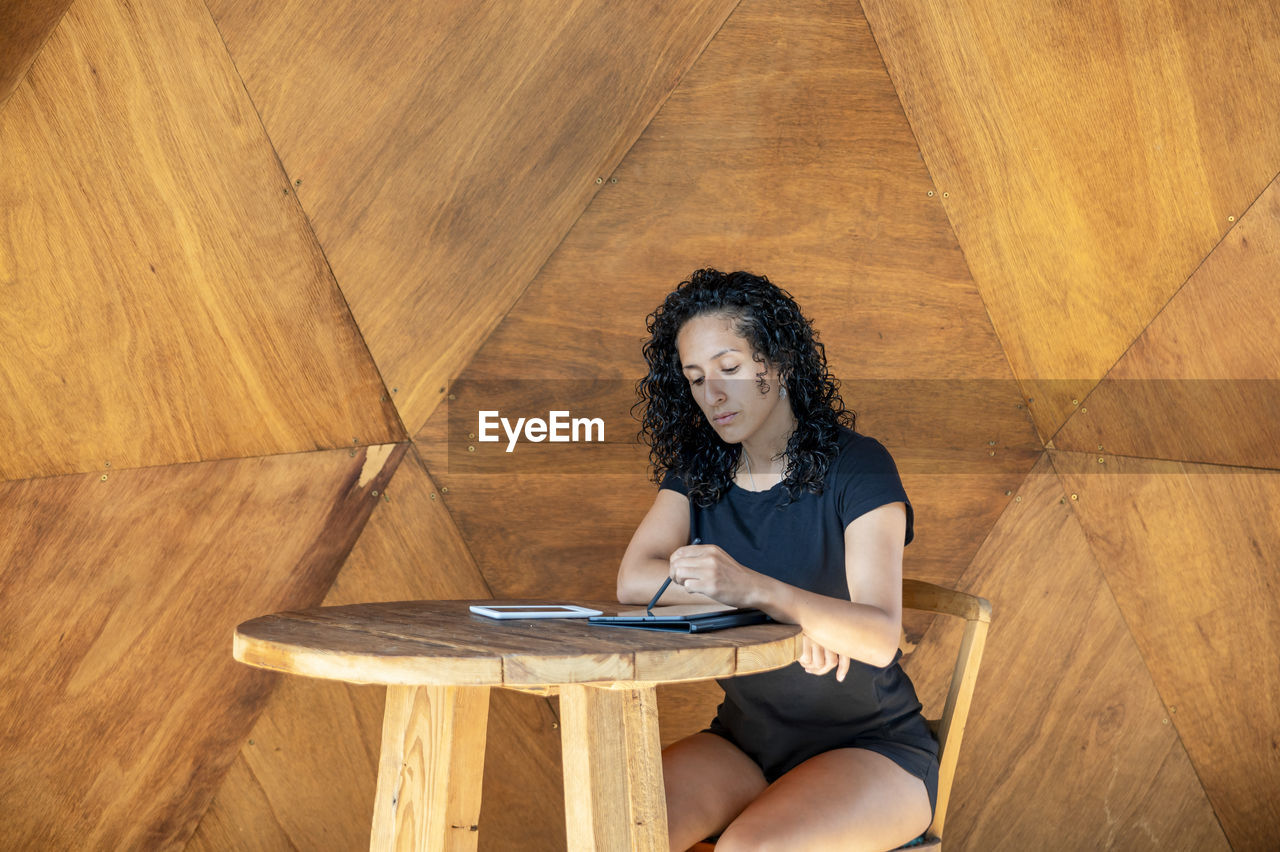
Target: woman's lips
(722, 419)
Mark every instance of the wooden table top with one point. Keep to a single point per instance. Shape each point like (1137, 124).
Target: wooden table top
(443, 643)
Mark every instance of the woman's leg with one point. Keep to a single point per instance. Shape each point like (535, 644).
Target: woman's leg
(709, 781)
(847, 799)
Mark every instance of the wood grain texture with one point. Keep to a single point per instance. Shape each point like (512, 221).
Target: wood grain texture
(24, 27)
(1090, 156)
(784, 150)
(123, 706)
(431, 769)
(1067, 745)
(1191, 553)
(164, 298)
(443, 643)
(614, 796)
(1202, 383)
(445, 149)
(305, 778)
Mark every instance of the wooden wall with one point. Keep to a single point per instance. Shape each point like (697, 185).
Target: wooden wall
(261, 264)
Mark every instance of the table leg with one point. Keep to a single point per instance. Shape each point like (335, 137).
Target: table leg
(613, 793)
(431, 768)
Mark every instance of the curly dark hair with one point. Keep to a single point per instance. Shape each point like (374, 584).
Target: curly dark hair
(679, 437)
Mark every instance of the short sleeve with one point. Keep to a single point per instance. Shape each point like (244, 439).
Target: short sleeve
(867, 479)
(672, 481)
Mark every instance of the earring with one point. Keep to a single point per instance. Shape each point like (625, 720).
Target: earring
(782, 393)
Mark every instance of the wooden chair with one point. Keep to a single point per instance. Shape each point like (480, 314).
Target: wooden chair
(949, 729)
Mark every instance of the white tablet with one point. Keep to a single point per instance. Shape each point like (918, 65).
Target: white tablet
(534, 611)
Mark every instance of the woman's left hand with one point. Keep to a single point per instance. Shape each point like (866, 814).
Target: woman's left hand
(708, 570)
(817, 660)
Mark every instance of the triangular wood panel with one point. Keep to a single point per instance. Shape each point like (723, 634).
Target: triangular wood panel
(164, 298)
(1067, 745)
(122, 705)
(24, 26)
(1202, 383)
(305, 778)
(1191, 553)
(445, 149)
(1090, 157)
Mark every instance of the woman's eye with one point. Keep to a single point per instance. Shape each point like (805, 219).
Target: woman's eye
(696, 381)
(732, 369)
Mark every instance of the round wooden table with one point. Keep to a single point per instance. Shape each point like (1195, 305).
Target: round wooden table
(438, 661)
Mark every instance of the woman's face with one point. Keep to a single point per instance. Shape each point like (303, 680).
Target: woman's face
(724, 380)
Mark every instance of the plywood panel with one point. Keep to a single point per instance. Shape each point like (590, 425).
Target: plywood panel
(1202, 383)
(305, 778)
(164, 298)
(1091, 155)
(445, 149)
(738, 170)
(1068, 745)
(122, 703)
(24, 26)
(1191, 552)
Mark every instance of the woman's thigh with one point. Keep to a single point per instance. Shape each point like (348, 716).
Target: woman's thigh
(847, 799)
(709, 781)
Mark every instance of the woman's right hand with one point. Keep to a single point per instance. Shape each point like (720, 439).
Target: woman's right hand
(817, 660)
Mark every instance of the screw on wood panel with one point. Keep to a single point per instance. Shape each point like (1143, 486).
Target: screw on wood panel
(1099, 448)
(1075, 496)
(613, 180)
(1062, 500)
(298, 182)
(375, 493)
(1008, 493)
(1030, 399)
(599, 181)
(433, 495)
(992, 453)
(1018, 499)
(1101, 460)
(991, 443)
(453, 396)
(1075, 402)
(395, 390)
(250, 742)
(1231, 218)
(1173, 709)
(945, 194)
(286, 190)
(471, 436)
(108, 464)
(931, 193)
(1166, 721)
(1084, 411)
(471, 449)
(104, 477)
(1019, 406)
(351, 453)
(444, 490)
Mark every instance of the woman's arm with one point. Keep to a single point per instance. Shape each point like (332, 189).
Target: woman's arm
(865, 628)
(647, 561)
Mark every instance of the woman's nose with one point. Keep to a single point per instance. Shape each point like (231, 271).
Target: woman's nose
(715, 391)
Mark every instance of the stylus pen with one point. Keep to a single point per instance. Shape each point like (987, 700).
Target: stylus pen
(667, 582)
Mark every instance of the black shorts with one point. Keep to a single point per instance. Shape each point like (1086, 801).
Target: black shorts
(908, 743)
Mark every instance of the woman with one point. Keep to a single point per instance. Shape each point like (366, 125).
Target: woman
(801, 517)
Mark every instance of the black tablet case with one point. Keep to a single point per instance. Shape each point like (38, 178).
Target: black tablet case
(697, 623)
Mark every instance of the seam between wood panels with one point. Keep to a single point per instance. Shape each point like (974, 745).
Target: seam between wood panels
(1164, 704)
(315, 239)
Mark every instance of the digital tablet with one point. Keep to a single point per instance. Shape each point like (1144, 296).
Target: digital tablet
(533, 611)
(684, 622)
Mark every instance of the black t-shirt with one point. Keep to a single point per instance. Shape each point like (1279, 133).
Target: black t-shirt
(802, 543)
